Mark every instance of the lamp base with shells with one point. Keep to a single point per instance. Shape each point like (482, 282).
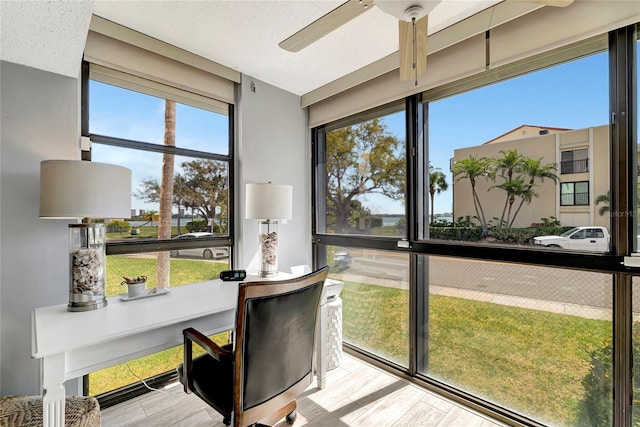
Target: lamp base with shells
(268, 246)
(87, 267)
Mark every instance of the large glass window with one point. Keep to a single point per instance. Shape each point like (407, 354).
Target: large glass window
(180, 163)
(530, 159)
(533, 339)
(375, 299)
(364, 176)
(522, 168)
(179, 231)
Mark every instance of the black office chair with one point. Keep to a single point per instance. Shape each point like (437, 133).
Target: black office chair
(259, 380)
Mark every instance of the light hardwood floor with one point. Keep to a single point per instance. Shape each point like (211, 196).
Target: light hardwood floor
(357, 394)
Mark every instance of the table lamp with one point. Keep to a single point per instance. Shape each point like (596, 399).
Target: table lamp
(268, 203)
(80, 189)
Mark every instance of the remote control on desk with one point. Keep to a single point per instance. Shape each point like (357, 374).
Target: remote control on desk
(233, 275)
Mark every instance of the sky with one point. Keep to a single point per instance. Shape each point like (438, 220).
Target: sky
(572, 95)
(130, 115)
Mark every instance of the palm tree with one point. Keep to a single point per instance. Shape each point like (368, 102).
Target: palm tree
(437, 184)
(163, 261)
(151, 216)
(534, 169)
(605, 200)
(511, 162)
(473, 168)
(513, 188)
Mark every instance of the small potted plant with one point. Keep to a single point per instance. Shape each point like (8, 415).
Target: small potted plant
(135, 285)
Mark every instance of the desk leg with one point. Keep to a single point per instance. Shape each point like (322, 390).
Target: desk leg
(321, 360)
(53, 394)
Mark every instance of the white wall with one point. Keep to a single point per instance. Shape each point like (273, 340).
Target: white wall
(274, 145)
(39, 121)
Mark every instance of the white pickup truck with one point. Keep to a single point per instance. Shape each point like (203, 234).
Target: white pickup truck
(586, 238)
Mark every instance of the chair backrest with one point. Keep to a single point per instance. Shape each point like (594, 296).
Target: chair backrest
(275, 328)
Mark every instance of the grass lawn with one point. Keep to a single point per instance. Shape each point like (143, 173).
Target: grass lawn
(183, 271)
(145, 367)
(146, 232)
(527, 360)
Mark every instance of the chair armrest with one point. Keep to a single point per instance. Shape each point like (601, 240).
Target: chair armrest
(214, 350)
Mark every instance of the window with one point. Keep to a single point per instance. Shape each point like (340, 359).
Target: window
(364, 172)
(574, 161)
(574, 193)
(496, 317)
(180, 230)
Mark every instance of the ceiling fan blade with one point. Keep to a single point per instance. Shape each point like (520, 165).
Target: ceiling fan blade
(409, 54)
(326, 24)
(555, 3)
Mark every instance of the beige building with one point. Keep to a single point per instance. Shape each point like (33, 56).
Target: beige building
(582, 161)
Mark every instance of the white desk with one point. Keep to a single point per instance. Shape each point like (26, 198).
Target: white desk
(72, 344)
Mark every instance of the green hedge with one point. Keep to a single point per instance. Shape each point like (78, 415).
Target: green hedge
(467, 234)
(519, 236)
(116, 226)
(523, 236)
(196, 226)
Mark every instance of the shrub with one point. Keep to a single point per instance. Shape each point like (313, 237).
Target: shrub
(519, 236)
(196, 225)
(464, 221)
(595, 409)
(469, 234)
(116, 226)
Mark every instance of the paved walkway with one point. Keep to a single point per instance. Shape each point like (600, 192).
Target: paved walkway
(557, 290)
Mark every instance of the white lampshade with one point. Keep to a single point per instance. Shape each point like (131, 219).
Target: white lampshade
(268, 201)
(82, 189)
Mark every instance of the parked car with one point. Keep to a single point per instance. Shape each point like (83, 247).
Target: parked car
(341, 259)
(586, 238)
(206, 253)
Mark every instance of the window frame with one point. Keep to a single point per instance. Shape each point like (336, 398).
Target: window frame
(621, 47)
(574, 193)
(121, 248)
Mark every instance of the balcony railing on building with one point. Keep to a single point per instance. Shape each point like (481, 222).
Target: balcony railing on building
(574, 166)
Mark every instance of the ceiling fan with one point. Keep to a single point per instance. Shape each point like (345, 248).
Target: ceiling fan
(412, 16)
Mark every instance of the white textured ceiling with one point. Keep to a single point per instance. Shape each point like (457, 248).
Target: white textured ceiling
(240, 34)
(49, 35)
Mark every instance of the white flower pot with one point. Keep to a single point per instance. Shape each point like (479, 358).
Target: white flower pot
(136, 289)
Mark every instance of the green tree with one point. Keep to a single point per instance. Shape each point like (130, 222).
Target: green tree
(151, 216)
(202, 187)
(506, 166)
(604, 199)
(473, 168)
(515, 187)
(207, 189)
(361, 159)
(437, 184)
(150, 192)
(534, 170)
